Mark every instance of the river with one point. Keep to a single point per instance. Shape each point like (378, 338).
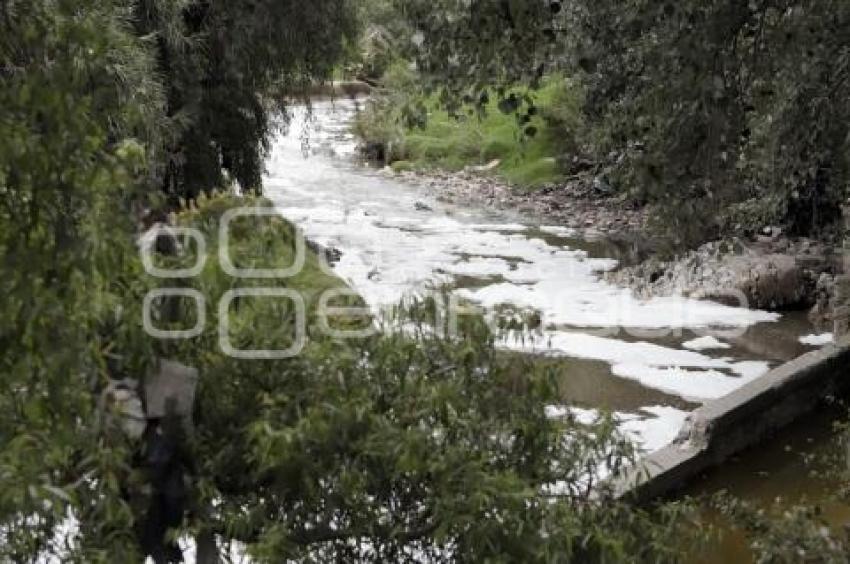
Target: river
(649, 362)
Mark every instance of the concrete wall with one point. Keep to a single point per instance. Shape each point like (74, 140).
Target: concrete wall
(741, 419)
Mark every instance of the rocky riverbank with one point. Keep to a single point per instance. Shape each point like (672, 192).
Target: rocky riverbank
(771, 272)
(577, 203)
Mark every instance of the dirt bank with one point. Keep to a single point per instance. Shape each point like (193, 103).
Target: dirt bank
(771, 272)
(576, 204)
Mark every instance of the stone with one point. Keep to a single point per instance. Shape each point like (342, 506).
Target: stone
(170, 386)
(718, 271)
(841, 289)
(333, 255)
(121, 396)
(778, 281)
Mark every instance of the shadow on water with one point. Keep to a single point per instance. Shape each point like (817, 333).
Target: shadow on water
(796, 465)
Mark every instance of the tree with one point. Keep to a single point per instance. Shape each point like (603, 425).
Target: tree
(396, 446)
(729, 108)
(89, 125)
(385, 33)
(727, 115)
(78, 100)
(383, 447)
(230, 69)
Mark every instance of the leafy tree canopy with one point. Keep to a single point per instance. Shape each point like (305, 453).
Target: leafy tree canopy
(732, 108)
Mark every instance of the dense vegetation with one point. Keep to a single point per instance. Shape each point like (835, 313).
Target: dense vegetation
(527, 156)
(727, 115)
(394, 447)
(390, 446)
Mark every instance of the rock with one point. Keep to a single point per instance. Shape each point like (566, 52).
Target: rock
(841, 306)
(776, 281)
(122, 397)
(374, 152)
(421, 206)
(579, 164)
(333, 255)
(821, 313)
(772, 232)
(565, 203)
(600, 184)
(170, 387)
(724, 272)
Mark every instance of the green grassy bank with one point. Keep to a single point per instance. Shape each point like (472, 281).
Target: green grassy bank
(529, 142)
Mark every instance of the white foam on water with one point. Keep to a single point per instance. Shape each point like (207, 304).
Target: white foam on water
(584, 301)
(655, 427)
(687, 374)
(479, 267)
(818, 340)
(706, 343)
(558, 230)
(690, 384)
(509, 227)
(652, 427)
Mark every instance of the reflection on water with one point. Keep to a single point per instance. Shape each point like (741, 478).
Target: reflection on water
(796, 465)
(618, 353)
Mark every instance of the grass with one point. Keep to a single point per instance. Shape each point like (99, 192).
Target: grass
(451, 144)
(263, 242)
(257, 242)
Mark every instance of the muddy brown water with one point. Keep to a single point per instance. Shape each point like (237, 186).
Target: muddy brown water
(796, 465)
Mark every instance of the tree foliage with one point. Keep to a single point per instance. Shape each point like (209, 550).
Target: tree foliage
(390, 447)
(727, 114)
(227, 68)
(76, 100)
(727, 104)
(96, 99)
(407, 445)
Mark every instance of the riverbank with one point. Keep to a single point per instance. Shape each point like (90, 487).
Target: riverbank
(771, 271)
(575, 204)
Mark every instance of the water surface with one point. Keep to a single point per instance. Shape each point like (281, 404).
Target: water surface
(647, 361)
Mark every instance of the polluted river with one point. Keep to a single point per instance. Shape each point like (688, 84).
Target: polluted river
(649, 362)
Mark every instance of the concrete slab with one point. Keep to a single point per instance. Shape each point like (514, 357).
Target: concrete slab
(741, 419)
(170, 381)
